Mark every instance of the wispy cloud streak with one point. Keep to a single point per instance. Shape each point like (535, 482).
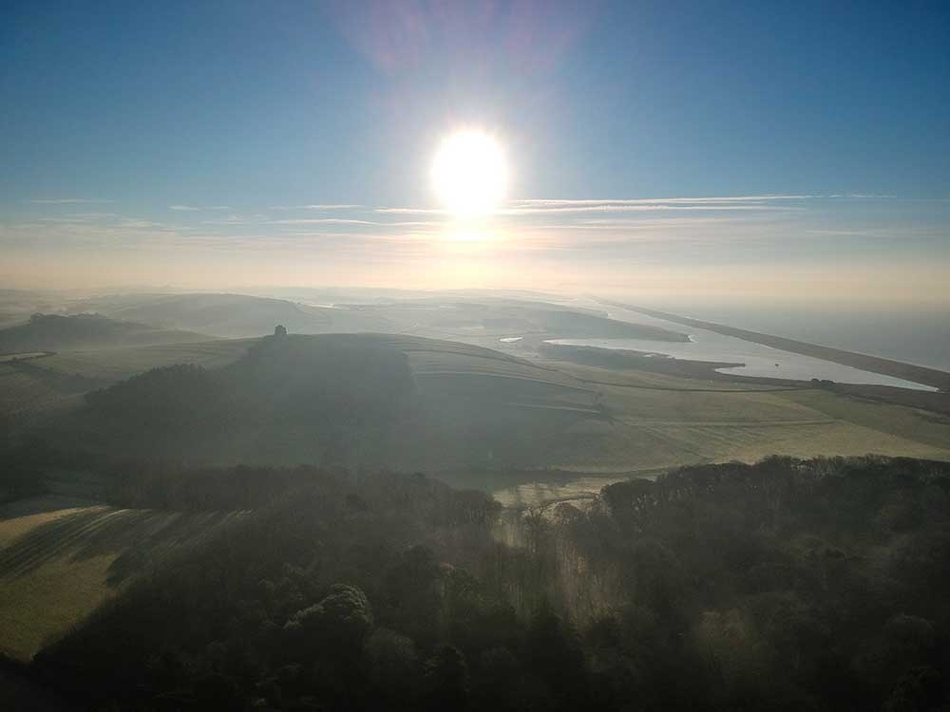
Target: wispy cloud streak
(67, 201)
(553, 203)
(348, 221)
(410, 211)
(324, 221)
(636, 207)
(318, 206)
(194, 208)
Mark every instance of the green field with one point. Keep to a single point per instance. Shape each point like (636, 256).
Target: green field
(558, 431)
(660, 421)
(32, 389)
(61, 558)
(717, 421)
(116, 364)
(576, 418)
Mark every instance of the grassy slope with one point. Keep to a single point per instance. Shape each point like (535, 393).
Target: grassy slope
(657, 420)
(661, 421)
(53, 332)
(22, 394)
(655, 428)
(34, 389)
(36, 604)
(117, 364)
(61, 559)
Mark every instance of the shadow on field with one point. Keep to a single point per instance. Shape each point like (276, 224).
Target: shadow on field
(139, 537)
(67, 383)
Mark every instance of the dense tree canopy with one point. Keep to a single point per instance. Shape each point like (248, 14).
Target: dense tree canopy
(784, 585)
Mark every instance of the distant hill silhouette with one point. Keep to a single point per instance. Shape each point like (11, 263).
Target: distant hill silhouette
(52, 332)
(242, 315)
(236, 315)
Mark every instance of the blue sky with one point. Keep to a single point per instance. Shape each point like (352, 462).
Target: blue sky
(179, 143)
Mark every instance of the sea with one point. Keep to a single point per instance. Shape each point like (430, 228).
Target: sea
(918, 336)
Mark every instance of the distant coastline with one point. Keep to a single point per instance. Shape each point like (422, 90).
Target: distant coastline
(888, 367)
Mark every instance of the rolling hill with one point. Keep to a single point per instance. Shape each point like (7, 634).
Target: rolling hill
(484, 320)
(467, 319)
(52, 332)
(533, 431)
(361, 400)
(401, 402)
(233, 315)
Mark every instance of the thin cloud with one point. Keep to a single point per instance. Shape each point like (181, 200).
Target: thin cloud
(195, 208)
(92, 216)
(67, 201)
(324, 221)
(545, 202)
(410, 211)
(861, 196)
(638, 224)
(318, 206)
(634, 207)
(229, 220)
(591, 205)
(349, 221)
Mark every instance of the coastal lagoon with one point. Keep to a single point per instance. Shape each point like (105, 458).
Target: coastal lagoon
(752, 359)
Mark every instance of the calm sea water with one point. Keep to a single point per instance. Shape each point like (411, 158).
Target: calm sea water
(920, 336)
(763, 361)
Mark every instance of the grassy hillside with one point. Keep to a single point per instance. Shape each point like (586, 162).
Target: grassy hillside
(32, 391)
(537, 430)
(51, 332)
(661, 419)
(472, 411)
(61, 558)
(117, 364)
(357, 400)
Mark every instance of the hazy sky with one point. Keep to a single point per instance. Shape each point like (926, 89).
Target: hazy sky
(776, 149)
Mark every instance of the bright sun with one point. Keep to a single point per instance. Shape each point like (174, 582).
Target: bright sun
(470, 174)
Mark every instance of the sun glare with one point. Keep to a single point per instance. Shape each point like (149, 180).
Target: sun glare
(470, 174)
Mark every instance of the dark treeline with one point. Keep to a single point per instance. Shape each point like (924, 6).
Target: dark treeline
(24, 464)
(789, 584)
(166, 486)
